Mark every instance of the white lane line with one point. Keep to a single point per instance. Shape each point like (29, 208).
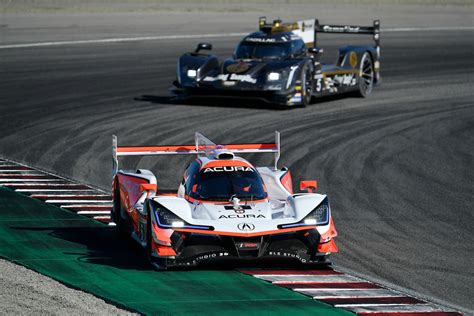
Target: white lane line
(102, 217)
(392, 308)
(120, 39)
(73, 196)
(323, 289)
(350, 294)
(88, 206)
(93, 212)
(55, 190)
(428, 29)
(45, 185)
(98, 202)
(42, 179)
(195, 36)
(288, 279)
(20, 172)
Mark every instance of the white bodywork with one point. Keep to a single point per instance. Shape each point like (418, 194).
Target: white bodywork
(281, 207)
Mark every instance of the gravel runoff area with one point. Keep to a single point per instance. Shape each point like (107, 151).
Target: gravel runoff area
(25, 292)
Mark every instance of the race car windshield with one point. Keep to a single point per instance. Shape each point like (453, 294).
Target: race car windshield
(223, 183)
(252, 50)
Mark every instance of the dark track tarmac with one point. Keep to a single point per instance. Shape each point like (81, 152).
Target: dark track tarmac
(398, 167)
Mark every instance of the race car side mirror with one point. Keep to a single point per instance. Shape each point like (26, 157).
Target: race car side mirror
(148, 187)
(203, 46)
(309, 185)
(315, 50)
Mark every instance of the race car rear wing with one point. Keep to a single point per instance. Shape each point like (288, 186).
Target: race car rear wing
(308, 29)
(373, 30)
(202, 146)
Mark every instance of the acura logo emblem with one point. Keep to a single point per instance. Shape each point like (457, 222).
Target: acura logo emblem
(246, 226)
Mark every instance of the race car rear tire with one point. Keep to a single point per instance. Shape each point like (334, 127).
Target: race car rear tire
(366, 79)
(306, 86)
(156, 263)
(116, 212)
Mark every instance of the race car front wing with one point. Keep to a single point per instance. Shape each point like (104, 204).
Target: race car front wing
(303, 245)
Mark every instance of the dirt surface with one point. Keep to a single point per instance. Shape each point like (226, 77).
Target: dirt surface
(25, 292)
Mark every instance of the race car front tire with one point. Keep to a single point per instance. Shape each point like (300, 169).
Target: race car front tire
(306, 85)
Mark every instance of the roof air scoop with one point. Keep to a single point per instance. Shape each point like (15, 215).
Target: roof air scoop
(224, 155)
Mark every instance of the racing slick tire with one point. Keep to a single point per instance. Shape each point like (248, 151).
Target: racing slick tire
(306, 85)
(116, 212)
(366, 79)
(157, 263)
(122, 226)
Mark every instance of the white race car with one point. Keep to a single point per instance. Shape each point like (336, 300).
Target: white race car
(224, 208)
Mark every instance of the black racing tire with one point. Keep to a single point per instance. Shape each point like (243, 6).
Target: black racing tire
(366, 79)
(148, 237)
(122, 225)
(116, 211)
(306, 85)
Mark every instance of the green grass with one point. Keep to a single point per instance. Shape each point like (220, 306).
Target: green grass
(90, 256)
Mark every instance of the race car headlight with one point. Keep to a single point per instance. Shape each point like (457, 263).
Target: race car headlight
(167, 219)
(318, 216)
(191, 73)
(273, 76)
(177, 224)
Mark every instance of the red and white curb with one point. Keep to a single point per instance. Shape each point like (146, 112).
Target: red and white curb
(350, 293)
(76, 197)
(327, 285)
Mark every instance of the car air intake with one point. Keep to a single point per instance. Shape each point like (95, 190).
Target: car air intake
(225, 155)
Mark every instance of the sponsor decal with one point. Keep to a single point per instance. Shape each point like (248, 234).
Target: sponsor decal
(238, 67)
(228, 169)
(290, 255)
(243, 78)
(345, 80)
(235, 77)
(246, 227)
(219, 77)
(274, 87)
(353, 59)
(260, 40)
(230, 216)
(199, 258)
(248, 245)
(346, 29)
(239, 210)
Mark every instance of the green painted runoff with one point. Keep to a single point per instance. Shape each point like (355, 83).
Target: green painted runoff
(92, 257)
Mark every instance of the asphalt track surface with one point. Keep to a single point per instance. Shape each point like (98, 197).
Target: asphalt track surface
(398, 166)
